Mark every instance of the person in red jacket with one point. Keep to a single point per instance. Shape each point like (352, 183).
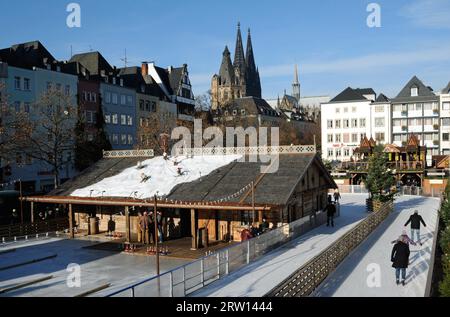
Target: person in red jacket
(246, 235)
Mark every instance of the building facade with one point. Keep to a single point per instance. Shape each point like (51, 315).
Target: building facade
(238, 79)
(416, 111)
(345, 121)
(444, 100)
(31, 72)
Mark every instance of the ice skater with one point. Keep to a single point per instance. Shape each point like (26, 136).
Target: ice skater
(331, 212)
(416, 220)
(337, 196)
(400, 259)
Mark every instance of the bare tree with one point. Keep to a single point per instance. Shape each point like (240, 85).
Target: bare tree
(46, 132)
(154, 132)
(203, 102)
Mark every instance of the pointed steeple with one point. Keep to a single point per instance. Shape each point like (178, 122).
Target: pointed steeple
(226, 69)
(296, 86)
(249, 57)
(239, 58)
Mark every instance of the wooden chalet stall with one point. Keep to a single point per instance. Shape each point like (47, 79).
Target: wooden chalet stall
(216, 205)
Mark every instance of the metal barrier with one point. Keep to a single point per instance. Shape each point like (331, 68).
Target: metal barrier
(353, 189)
(306, 279)
(28, 230)
(193, 276)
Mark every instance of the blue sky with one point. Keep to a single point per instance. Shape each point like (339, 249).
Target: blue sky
(328, 39)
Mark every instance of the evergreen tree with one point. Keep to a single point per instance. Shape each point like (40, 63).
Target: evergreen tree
(379, 177)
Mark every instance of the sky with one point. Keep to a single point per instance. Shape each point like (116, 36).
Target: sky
(328, 39)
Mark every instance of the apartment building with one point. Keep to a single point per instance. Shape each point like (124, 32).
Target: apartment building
(345, 121)
(444, 101)
(416, 110)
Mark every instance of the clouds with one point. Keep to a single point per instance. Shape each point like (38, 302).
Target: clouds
(434, 14)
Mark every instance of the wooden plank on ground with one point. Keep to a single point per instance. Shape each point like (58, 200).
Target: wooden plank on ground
(94, 290)
(25, 284)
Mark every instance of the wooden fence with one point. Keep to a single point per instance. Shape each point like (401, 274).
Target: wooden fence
(30, 229)
(311, 275)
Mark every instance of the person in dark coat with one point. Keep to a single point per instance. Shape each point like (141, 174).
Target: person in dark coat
(416, 220)
(331, 212)
(400, 259)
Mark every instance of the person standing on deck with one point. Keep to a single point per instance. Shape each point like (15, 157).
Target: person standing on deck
(144, 228)
(138, 225)
(416, 220)
(400, 259)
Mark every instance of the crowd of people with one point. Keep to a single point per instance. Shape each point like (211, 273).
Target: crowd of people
(146, 227)
(254, 230)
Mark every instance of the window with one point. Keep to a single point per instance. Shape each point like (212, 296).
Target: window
(90, 115)
(379, 109)
(130, 139)
(123, 119)
(446, 106)
(330, 152)
(414, 91)
(28, 159)
(380, 122)
(90, 137)
(141, 122)
(19, 159)
(130, 120)
(330, 138)
(115, 118)
(330, 124)
(338, 124)
(346, 124)
(115, 99)
(445, 137)
(153, 106)
(345, 110)
(123, 100)
(397, 108)
(243, 112)
(363, 135)
(107, 97)
(130, 100)
(446, 122)
(115, 139)
(141, 105)
(26, 107)
(58, 87)
(428, 106)
(380, 137)
(338, 138)
(346, 138)
(107, 118)
(338, 153)
(346, 152)
(362, 123)
(354, 138)
(354, 123)
(354, 109)
(17, 106)
(123, 139)
(27, 84)
(338, 110)
(17, 83)
(93, 97)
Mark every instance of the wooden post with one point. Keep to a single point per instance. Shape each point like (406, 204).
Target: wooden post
(127, 224)
(156, 237)
(32, 212)
(253, 202)
(72, 232)
(194, 230)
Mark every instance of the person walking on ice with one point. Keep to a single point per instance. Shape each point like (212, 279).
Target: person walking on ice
(400, 259)
(331, 212)
(416, 220)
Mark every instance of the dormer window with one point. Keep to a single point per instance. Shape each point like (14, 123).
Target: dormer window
(414, 91)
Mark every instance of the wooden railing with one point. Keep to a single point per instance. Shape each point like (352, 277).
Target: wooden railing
(30, 229)
(311, 275)
(399, 166)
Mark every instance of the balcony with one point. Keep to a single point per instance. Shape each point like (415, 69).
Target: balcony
(394, 166)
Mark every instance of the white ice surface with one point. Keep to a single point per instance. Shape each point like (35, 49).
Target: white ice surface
(163, 176)
(350, 278)
(262, 276)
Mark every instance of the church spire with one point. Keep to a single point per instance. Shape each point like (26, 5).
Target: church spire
(249, 57)
(239, 58)
(226, 69)
(296, 86)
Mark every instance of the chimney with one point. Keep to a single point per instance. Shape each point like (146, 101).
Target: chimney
(170, 69)
(144, 69)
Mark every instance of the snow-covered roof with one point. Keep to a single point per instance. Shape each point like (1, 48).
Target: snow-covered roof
(155, 176)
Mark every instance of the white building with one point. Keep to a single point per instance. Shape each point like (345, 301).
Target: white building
(346, 119)
(380, 120)
(416, 111)
(444, 101)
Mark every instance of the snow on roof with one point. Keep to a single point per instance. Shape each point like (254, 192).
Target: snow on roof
(156, 176)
